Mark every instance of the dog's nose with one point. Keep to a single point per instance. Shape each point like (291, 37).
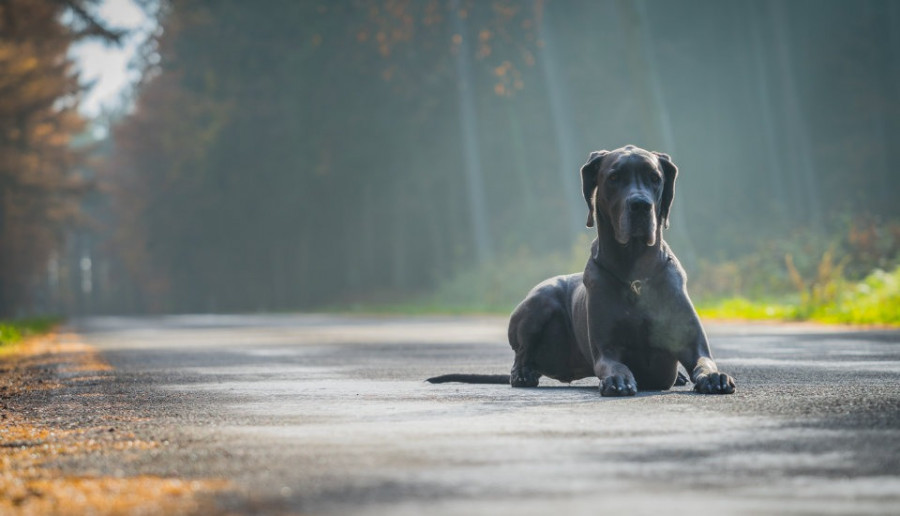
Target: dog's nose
(639, 205)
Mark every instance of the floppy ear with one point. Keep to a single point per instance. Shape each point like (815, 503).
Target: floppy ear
(589, 181)
(669, 173)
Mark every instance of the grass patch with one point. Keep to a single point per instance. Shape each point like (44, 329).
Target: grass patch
(873, 301)
(744, 309)
(13, 331)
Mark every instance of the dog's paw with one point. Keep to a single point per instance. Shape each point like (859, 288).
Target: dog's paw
(618, 385)
(524, 377)
(715, 383)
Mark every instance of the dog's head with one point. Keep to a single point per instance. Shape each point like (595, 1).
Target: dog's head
(629, 190)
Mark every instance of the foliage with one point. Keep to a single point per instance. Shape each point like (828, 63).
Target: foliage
(289, 157)
(803, 263)
(495, 287)
(12, 331)
(875, 300)
(822, 292)
(40, 180)
(804, 277)
(313, 152)
(499, 285)
(822, 289)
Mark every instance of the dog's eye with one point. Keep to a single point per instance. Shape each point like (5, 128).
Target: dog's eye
(613, 178)
(655, 179)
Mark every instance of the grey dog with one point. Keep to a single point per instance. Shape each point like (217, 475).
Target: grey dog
(627, 319)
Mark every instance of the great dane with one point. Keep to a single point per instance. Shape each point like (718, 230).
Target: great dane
(627, 319)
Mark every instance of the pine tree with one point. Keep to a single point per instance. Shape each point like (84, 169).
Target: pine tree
(39, 180)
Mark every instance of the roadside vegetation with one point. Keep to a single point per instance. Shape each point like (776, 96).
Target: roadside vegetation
(851, 278)
(873, 301)
(13, 331)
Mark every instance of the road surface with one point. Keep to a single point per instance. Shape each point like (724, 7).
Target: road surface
(322, 414)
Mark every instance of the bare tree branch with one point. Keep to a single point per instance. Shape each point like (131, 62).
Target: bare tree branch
(94, 28)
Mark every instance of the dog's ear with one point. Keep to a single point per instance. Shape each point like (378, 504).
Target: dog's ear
(589, 181)
(670, 171)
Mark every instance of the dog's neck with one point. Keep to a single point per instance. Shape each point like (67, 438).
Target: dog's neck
(630, 261)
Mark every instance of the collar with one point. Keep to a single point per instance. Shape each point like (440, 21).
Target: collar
(637, 284)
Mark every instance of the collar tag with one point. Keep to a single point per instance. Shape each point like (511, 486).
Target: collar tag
(636, 286)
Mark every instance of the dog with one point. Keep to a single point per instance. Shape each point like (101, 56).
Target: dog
(627, 319)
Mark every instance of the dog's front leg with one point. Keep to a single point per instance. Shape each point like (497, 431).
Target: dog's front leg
(704, 373)
(615, 378)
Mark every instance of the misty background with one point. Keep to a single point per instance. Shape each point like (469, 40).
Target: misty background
(297, 155)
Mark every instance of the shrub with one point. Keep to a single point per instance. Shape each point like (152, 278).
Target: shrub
(875, 300)
(15, 330)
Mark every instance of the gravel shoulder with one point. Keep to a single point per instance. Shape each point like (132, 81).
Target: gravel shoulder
(69, 442)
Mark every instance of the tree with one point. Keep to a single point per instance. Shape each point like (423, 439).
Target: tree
(316, 152)
(39, 182)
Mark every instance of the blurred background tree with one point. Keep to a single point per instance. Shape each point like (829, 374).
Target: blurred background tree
(289, 154)
(40, 180)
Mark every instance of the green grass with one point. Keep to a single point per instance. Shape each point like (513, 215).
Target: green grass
(13, 331)
(873, 301)
(745, 309)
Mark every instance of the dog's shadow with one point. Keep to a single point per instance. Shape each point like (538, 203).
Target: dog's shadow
(561, 389)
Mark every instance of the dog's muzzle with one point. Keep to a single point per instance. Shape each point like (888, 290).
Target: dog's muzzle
(637, 221)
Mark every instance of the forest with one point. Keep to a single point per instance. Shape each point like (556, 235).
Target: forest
(292, 155)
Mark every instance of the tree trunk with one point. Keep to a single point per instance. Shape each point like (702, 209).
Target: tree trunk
(770, 129)
(469, 134)
(563, 121)
(655, 118)
(795, 123)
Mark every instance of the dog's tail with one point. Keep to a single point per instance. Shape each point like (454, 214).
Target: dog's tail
(682, 379)
(471, 378)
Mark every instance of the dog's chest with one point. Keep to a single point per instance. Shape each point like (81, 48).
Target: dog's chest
(639, 323)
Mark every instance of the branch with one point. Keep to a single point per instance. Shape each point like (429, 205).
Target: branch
(94, 28)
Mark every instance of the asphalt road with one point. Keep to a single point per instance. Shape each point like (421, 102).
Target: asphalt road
(319, 414)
